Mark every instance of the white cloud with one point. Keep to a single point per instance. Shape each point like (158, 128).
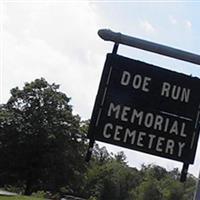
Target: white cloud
(172, 20)
(147, 27)
(188, 24)
(58, 42)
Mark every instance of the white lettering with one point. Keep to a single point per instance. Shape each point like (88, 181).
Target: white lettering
(158, 122)
(165, 89)
(105, 134)
(176, 90)
(148, 122)
(140, 139)
(151, 140)
(174, 128)
(132, 134)
(185, 95)
(181, 145)
(115, 109)
(117, 133)
(137, 115)
(182, 130)
(145, 84)
(170, 147)
(124, 113)
(159, 144)
(166, 124)
(137, 81)
(125, 78)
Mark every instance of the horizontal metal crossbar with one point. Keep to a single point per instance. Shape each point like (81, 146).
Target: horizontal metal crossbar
(119, 38)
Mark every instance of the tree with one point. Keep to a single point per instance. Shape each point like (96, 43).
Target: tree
(120, 157)
(154, 171)
(110, 178)
(149, 190)
(172, 189)
(43, 145)
(100, 155)
(41, 142)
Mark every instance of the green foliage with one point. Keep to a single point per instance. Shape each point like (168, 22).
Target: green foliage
(42, 145)
(115, 180)
(149, 190)
(189, 187)
(120, 157)
(111, 180)
(17, 188)
(19, 198)
(154, 171)
(40, 194)
(172, 189)
(100, 155)
(92, 198)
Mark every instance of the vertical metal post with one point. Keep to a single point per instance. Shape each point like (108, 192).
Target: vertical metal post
(115, 48)
(89, 151)
(184, 172)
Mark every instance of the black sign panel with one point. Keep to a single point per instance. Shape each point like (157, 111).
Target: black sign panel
(147, 108)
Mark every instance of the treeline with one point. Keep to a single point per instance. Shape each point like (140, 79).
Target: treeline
(109, 177)
(42, 151)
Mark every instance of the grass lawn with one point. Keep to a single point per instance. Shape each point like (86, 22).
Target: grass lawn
(19, 198)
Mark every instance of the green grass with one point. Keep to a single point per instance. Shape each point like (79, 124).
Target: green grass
(19, 198)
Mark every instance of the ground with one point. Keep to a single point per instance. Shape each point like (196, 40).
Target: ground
(18, 198)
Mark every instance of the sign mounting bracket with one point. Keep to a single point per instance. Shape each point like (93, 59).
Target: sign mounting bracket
(120, 38)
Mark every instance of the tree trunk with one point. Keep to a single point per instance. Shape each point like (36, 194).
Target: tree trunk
(29, 181)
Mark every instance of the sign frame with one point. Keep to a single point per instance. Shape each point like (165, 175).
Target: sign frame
(119, 38)
(179, 119)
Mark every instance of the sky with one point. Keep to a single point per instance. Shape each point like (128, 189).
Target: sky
(58, 40)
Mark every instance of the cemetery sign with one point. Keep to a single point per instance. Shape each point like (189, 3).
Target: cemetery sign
(147, 108)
